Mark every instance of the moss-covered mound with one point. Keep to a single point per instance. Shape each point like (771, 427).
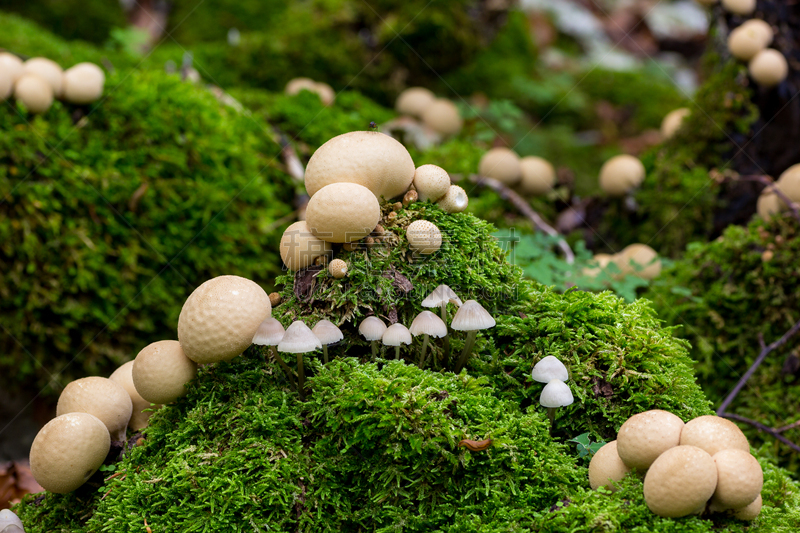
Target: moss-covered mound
(87, 20)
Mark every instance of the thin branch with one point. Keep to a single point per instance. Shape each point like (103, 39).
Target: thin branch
(770, 184)
(793, 425)
(761, 427)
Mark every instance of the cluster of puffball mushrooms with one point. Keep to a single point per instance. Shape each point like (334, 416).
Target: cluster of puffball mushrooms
(38, 81)
(438, 114)
(529, 176)
(702, 466)
(323, 90)
(770, 203)
(636, 259)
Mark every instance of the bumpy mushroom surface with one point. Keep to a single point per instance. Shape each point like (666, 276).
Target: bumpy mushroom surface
(220, 317)
(502, 164)
(68, 450)
(745, 42)
(621, 174)
(549, 368)
(161, 371)
(299, 247)
(7, 517)
(455, 200)
(639, 259)
(34, 92)
(739, 479)
(673, 121)
(645, 436)
(739, 7)
(83, 83)
(47, 69)
(414, 100)
(714, 434)
(342, 212)
(680, 482)
(368, 158)
(749, 512)
(762, 29)
(606, 467)
(442, 116)
(768, 68)
(337, 268)
(100, 397)
(424, 237)
(537, 176)
(431, 182)
(123, 376)
(12, 65)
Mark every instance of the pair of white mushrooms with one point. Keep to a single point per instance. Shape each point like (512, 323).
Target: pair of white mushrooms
(770, 203)
(701, 466)
(323, 90)
(556, 393)
(634, 260)
(438, 114)
(38, 81)
(749, 42)
(530, 176)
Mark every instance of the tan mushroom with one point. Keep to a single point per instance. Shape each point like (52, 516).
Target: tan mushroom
(602, 260)
(761, 28)
(621, 174)
(431, 182)
(680, 482)
(768, 68)
(34, 92)
(749, 512)
(789, 185)
(745, 42)
(606, 467)
(299, 247)
(768, 205)
(337, 268)
(739, 7)
(100, 397)
(455, 200)
(6, 84)
(123, 376)
(83, 83)
(48, 70)
(739, 479)
(372, 329)
(502, 164)
(537, 176)
(342, 212)
(673, 121)
(414, 100)
(323, 90)
(639, 260)
(11, 65)
(442, 116)
(161, 371)
(327, 333)
(645, 436)
(424, 237)
(714, 434)
(396, 335)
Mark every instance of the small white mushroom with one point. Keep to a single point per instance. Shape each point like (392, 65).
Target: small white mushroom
(327, 333)
(455, 200)
(395, 335)
(161, 371)
(768, 68)
(337, 268)
(621, 174)
(424, 237)
(123, 376)
(739, 7)
(372, 329)
(299, 339)
(48, 70)
(502, 164)
(83, 83)
(549, 368)
(7, 517)
(762, 28)
(673, 122)
(538, 176)
(34, 92)
(100, 397)
(554, 395)
(428, 325)
(12, 65)
(470, 317)
(270, 333)
(413, 101)
(431, 183)
(440, 297)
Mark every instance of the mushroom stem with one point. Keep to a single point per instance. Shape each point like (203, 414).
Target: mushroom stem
(325, 353)
(551, 416)
(424, 351)
(446, 346)
(300, 376)
(284, 366)
(397, 352)
(471, 336)
(119, 435)
(374, 350)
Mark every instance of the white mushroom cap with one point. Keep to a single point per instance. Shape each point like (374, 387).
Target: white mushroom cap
(537, 176)
(745, 42)
(100, 397)
(502, 164)
(83, 83)
(325, 92)
(645, 436)
(220, 318)
(556, 394)
(269, 333)
(427, 323)
(337, 268)
(455, 200)
(161, 371)
(549, 368)
(68, 450)
(472, 316)
(768, 68)
(762, 28)
(443, 117)
(372, 328)
(642, 255)
(34, 92)
(12, 528)
(768, 204)
(299, 339)
(6, 86)
(789, 185)
(441, 295)
(739, 479)
(296, 85)
(327, 332)
(714, 434)
(396, 334)
(673, 121)
(414, 100)
(299, 247)
(431, 182)
(12, 65)
(424, 236)
(47, 69)
(751, 511)
(739, 7)
(606, 467)
(8, 518)
(621, 174)
(342, 212)
(680, 482)
(123, 376)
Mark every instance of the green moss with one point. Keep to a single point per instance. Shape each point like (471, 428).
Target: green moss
(87, 20)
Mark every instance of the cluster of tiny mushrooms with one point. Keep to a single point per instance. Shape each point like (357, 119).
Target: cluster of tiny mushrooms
(323, 90)
(38, 81)
(702, 466)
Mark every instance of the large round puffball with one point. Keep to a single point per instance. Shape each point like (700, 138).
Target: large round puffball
(414, 100)
(538, 176)
(11, 65)
(83, 83)
(34, 92)
(768, 68)
(621, 174)
(48, 70)
(745, 42)
(442, 116)
(342, 212)
(502, 164)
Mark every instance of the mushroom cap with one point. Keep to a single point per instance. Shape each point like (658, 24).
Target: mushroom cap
(83, 83)
(12, 528)
(549, 368)
(620, 174)
(47, 69)
(101, 397)
(424, 237)
(123, 376)
(680, 482)
(768, 68)
(342, 212)
(6, 84)
(789, 184)
(537, 176)
(502, 164)
(269, 333)
(68, 450)
(768, 204)
(337, 268)
(606, 467)
(12, 65)
(441, 295)
(455, 200)
(34, 91)
(643, 256)
(299, 247)
(431, 182)
(372, 328)
(442, 116)
(739, 7)
(673, 121)
(472, 316)
(749, 512)
(427, 323)
(556, 394)
(745, 42)
(714, 434)
(413, 101)
(220, 318)
(295, 85)
(161, 371)
(368, 158)
(299, 339)
(762, 28)
(325, 92)
(645, 436)
(8, 517)
(396, 334)
(739, 479)
(602, 260)
(327, 332)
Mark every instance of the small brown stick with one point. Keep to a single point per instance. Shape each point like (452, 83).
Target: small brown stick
(766, 429)
(475, 445)
(146, 527)
(112, 476)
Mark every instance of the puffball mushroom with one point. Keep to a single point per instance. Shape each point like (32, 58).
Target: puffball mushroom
(621, 174)
(750, 512)
(606, 467)
(502, 164)
(673, 121)
(161, 371)
(9, 518)
(299, 247)
(68, 450)
(470, 317)
(342, 212)
(100, 397)
(270, 333)
(323, 90)
(395, 335)
(713, 434)
(442, 116)
(368, 158)
(83, 83)
(455, 200)
(34, 92)
(602, 260)
(739, 479)
(680, 482)
(639, 260)
(768, 68)
(424, 237)
(413, 101)
(337, 268)
(739, 7)
(220, 318)
(48, 70)
(123, 376)
(768, 205)
(6, 85)
(327, 333)
(299, 339)
(428, 325)
(431, 182)
(554, 395)
(372, 329)
(549, 368)
(537, 176)
(761, 28)
(647, 435)
(789, 185)
(745, 42)
(11, 65)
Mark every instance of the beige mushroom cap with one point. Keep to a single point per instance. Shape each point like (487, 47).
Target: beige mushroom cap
(47, 69)
(745, 42)
(327, 332)
(645, 436)
(342, 212)
(431, 182)
(396, 334)
(768, 204)
(502, 164)
(680, 482)
(101, 397)
(427, 323)
(220, 318)
(789, 185)
(299, 247)
(472, 316)
(413, 101)
(372, 328)
(442, 116)
(602, 260)
(299, 339)
(739, 7)
(323, 90)
(161, 371)
(620, 174)
(537, 176)
(762, 28)
(441, 295)
(606, 467)
(123, 376)
(296, 85)
(368, 158)
(424, 237)
(714, 434)
(749, 512)
(643, 256)
(673, 121)
(739, 479)
(6, 83)
(34, 92)
(269, 333)
(455, 200)
(337, 268)
(12, 65)
(68, 450)
(768, 68)
(83, 83)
